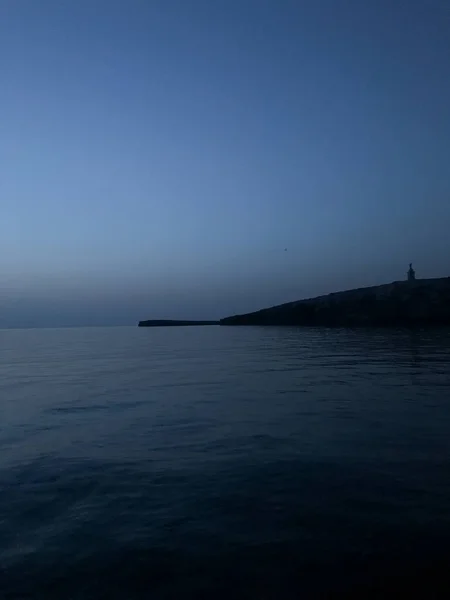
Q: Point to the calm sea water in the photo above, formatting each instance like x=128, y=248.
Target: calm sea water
x=223, y=463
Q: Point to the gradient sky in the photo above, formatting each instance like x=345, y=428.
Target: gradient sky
x=158, y=156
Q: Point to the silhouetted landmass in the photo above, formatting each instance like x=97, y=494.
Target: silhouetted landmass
x=417, y=302
x=170, y=323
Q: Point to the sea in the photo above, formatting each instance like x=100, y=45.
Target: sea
x=216, y=462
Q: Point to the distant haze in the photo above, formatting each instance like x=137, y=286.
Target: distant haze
x=158, y=157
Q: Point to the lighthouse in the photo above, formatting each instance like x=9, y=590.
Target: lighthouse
x=411, y=273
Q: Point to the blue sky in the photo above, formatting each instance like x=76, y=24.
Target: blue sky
x=158, y=156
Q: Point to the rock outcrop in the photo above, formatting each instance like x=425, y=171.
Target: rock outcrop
x=416, y=302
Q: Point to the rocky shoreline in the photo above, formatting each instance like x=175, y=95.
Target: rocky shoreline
x=174, y=323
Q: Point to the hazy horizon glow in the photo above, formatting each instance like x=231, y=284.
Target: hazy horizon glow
x=158, y=157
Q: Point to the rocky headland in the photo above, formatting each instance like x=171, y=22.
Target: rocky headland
x=401, y=303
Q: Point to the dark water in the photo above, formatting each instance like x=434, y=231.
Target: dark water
x=224, y=463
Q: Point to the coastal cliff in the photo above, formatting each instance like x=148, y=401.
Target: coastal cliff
x=418, y=302
x=171, y=323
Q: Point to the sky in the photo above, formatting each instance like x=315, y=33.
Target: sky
x=201, y=158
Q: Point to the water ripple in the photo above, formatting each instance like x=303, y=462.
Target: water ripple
x=218, y=462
